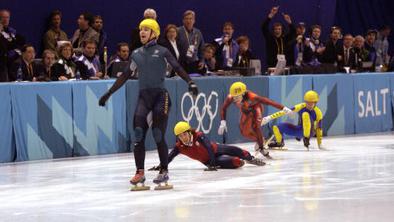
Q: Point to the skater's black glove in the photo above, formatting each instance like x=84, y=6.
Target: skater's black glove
x=104, y=98
x=306, y=142
x=155, y=168
x=193, y=88
x=211, y=168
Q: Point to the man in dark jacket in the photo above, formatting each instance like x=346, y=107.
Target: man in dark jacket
x=277, y=42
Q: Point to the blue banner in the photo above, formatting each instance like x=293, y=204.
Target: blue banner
x=98, y=130
x=391, y=76
x=7, y=144
x=202, y=112
x=42, y=120
x=336, y=103
x=372, y=103
x=289, y=91
x=61, y=119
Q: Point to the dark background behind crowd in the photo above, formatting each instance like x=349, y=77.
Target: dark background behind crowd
x=120, y=17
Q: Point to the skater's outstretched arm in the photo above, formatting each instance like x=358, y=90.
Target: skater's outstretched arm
x=319, y=126
x=207, y=145
x=181, y=72
x=281, y=113
x=267, y=101
x=119, y=82
x=227, y=102
x=174, y=152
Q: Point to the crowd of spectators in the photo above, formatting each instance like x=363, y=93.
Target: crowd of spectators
x=83, y=55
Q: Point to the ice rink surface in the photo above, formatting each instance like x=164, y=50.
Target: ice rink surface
x=352, y=181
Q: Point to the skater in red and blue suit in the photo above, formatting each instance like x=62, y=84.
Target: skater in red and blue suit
x=197, y=146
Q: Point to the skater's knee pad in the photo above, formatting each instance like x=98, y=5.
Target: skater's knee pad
x=138, y=134
x=157, y=135
x=306, y=124
x=277, y=133
x=246, y=155
x=237, y=162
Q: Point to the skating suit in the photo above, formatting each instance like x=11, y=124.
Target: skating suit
x=251, y=114
x=210, y=153
x=150, y=62
x=309, y=123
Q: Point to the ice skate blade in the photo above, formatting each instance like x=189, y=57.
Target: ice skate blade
x=139, y=188
x=166, y=186
x=278, y=148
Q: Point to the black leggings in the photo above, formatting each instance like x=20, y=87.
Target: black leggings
x=229, y=157
x=157, y=101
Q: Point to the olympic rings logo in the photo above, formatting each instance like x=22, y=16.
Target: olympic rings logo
x=206, y=109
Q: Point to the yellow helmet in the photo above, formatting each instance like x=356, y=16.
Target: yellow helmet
x=237, y=89
x=181, y=127
x=311, y=96
x=152, y=24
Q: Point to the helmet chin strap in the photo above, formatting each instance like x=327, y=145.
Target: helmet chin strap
x=190, y=143
x=150, y=36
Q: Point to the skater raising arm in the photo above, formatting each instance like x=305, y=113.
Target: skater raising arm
x=129, y=70
x=310, y=121
x=151, y=61
x=181, y=72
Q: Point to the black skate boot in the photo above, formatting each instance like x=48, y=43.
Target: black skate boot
x=276, y=144
x=264, y=152
x=256, y=161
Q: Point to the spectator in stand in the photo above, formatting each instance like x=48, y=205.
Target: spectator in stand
x=122, y=55
x=84, y=32
x=29, y=69
x=48, y=59
x=346, y=55
x=361, y=54
x=300, y=29
x=135, y=34
x=64, y=68
x=227, y=47
x=382, y=46
x=15, y=42
x=315, y=47
x=331, y=50
x=369, y=45
x=191, y=43
x=244, y=54
x=98, y=27
x=55, y=33
x=170, y=40
x=277, y=42
x=300, y=45
x=209, y=59
x=88, y=64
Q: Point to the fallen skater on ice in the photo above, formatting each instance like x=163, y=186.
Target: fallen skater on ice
x=197, y=146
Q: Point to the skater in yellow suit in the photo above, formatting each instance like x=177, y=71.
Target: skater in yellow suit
x=309, y=123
